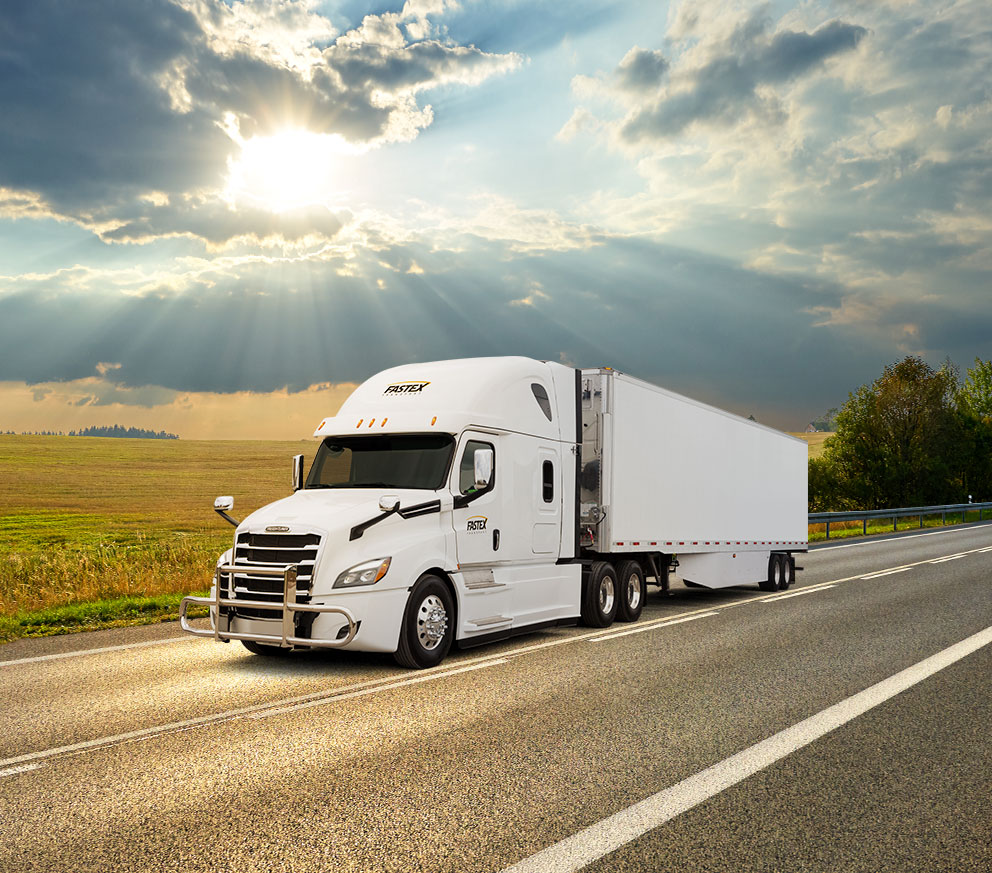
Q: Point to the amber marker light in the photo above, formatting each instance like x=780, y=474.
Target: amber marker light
x=433, y=421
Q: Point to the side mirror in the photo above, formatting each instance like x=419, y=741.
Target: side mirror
x=389, y=503
x=483, y=468
x=297, y=472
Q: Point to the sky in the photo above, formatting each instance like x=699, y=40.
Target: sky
x=217, y=217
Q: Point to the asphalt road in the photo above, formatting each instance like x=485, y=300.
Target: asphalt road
x=732, y=731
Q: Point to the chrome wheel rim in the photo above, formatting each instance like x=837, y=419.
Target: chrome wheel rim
x=432, y=622
x=634, y=591
x=606, y=595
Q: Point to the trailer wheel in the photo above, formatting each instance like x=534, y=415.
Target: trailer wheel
x=428, y=625
x=599, y=601
x=266, y=650
x=774, y=580
x=788, y=571
x=631, y=591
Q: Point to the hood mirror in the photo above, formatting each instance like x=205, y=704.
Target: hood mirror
x=389, y=503
x=223, y=505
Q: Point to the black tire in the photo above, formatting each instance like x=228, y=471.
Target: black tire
x=774, y=580
x=599, y=600
x=631, y=590
x=788, y=571
x=266, y=650
x=428, y=627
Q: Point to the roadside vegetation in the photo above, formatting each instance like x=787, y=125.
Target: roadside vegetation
x=916, y=436
x=100, y=532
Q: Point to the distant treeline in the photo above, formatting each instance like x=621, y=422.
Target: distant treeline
x=916, y=436
x=116, y=430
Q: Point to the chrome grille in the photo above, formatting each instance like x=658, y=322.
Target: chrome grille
x=272, y=550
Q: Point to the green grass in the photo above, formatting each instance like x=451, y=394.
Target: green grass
x=95, y=532
x=850, y=529
x=814, y=441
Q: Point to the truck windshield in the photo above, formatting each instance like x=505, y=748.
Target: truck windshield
x=382, y=461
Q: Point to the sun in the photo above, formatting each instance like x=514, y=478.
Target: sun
x=287, y=170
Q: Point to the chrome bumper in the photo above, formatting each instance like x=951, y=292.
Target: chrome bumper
x=289, y=606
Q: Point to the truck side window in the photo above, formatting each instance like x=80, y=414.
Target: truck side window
x=549, y=481
x=466, y=470
x=541, y=396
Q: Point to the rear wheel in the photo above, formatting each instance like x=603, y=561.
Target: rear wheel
x=428, y=625
x=599, y=602
x=788, y=571
x=774, y=580
x=630, y=601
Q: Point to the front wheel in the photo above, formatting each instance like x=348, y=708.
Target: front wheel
x=428, y=625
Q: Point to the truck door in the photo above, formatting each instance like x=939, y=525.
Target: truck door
x=477, y=516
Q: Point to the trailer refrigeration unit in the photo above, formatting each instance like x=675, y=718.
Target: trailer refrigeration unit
x=460, y=502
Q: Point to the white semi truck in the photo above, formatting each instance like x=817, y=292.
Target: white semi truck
x=461, y=502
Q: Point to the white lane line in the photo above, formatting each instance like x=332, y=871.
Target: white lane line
x=877, y=541
x=989, y=549
x=591, y=844
x=80, y=652
x=892, y=571
x=13, y=771
x=948, y=558
x=229, y=715
x=650, y=627
x=775, y=598
x=366, y=691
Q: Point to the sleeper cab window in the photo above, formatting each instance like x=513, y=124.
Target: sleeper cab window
x=541, y=396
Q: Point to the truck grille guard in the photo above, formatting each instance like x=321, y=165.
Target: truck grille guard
x=289, y=607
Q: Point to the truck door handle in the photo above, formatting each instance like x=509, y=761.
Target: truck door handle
x=495, y=539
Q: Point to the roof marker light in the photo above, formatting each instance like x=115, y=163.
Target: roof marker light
x=371, y=422
x=433, y=421
x=383, y=422
x=360, y=422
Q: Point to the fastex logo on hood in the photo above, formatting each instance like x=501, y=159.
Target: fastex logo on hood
x=410, y=386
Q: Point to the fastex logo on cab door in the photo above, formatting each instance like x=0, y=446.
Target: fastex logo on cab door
x=476, y=524
x=411, y=386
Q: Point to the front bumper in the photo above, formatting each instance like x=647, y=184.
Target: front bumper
x=289, y=606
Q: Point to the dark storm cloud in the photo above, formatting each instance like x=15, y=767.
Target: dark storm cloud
x=104, y=101
x=725, y=89
x=693, y=323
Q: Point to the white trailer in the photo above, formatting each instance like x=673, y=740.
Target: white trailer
x=460, y=502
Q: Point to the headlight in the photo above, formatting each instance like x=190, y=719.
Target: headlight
x=363, y=574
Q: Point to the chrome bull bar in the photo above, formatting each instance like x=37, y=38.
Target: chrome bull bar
x=289, y=607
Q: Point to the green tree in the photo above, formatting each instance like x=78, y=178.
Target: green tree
x=975, y=410
x=898, y=441
x=975, y=396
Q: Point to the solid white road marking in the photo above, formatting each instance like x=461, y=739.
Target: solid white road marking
x=366, y=691
x=229, y=715
x=948, y=558
x=80, y=652
x=648, y=627
x=13, y=771
x=776, y=597
x=875, y=542
x=890, y=572
x=591, y=844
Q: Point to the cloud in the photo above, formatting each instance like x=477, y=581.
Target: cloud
x=642, y=69
x=729, y=85
x=107, y=104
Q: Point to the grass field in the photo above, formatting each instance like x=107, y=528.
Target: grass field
x=127, y=525
x=815, y=442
